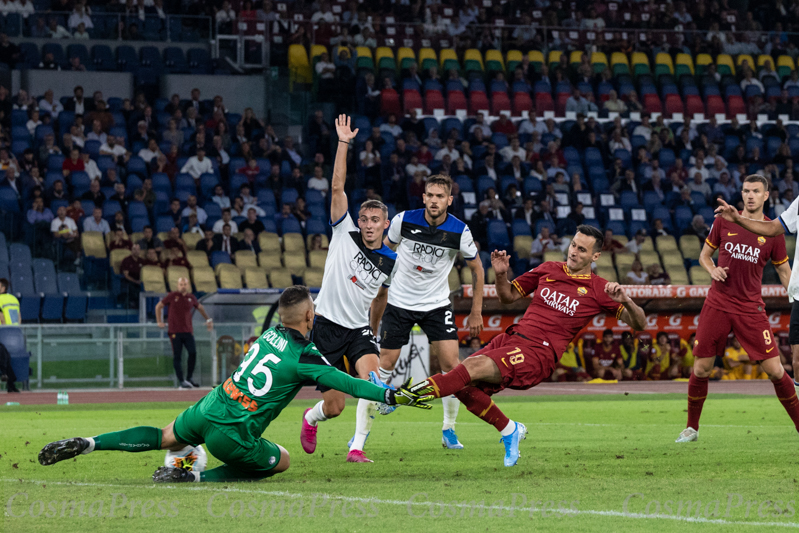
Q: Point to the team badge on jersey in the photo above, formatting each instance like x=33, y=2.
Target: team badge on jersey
x=582, y=291
x=761, y=240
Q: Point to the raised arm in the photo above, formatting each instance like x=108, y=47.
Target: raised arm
x=338, y=198
x=632, y=315
x=766, y=228
x=505, y=291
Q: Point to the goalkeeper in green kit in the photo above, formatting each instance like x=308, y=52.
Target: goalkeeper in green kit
x=231, y=418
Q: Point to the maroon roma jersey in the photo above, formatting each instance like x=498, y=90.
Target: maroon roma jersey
x=181, y=307
x=562, y=304
x=745, y=254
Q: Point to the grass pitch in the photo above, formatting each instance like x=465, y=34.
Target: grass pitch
x=594, y=463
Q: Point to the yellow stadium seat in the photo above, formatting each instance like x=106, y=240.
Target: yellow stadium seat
x=553, y=255
x=384, y=58
x=678, y=275
x=724, y=64
x=427, y=58
x=299, y=66
x=690, y=247
x=672, y=259
x=255, y=278
x=295, y=263
x=364, y=51
x=269, y=242
x=555, y=58
x=494, y=60
x=662, y=58
x=514, y=57
x=466, y=276
x=309, y=238
x=667, y=244
x=639, y=58
x=762, y=59
x=621, y=238
x=739, y=60
x=619, y=58
x=317, y=258
x=790, y=245
x=136, y=237
x=117, y=256
x=108, y=238
x=448, y=59
x=522, y=245
x=683, y=62
x=699, y=276
x=93, y=244
x=608, y=273
x=648, y=258
x=491, y=276
x=191, y=240
x=702, y=61
x=153, y=279
x=605, y=261
x=454, y=280
x=197, y=258
x=576, y=57
x=293, y=243
x=317, y=50
x=785, y=66
x=163, y=235
x=174, y=273
x=270, y=260
x=204, y=279
x=648, y=245
x=535, y=57
x=473, y=54
x=246, y=259
x=280, y=278
x=313, y=277
x=406, y=57
x=624, y=262
x=229, y=276
x=599, y=58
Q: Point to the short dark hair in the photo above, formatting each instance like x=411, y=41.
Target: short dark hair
x=440, y=180
x=591, y=231
x=608, y=331
x=293, y=295
x=374, y=204
x=757, y=178
x=4, y=284
x=660, y=334
x=147, y=227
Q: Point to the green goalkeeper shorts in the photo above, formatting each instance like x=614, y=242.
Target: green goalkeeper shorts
x=257, y=455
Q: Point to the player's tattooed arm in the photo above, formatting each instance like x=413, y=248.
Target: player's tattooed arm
x=706, y=260
x=475, y=320
x=338, y=199
x=500, y=262
x=766, y=228
x=632, y=314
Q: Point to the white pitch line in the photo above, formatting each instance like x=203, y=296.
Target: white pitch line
x=296, y=495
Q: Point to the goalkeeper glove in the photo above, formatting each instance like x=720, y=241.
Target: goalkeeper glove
x=404, y=396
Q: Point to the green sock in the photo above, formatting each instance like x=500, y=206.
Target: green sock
x=228, y=473
x=139, y=439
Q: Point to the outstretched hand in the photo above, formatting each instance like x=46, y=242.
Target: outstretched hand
x=726, y=211
x=343, y=129
x=500, y=262
x=615, y=292
x=406, y=396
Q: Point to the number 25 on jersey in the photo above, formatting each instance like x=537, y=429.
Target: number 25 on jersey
x=259, y=369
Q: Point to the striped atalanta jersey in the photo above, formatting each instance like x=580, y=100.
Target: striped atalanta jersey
x=424, y=259
x=353, y=275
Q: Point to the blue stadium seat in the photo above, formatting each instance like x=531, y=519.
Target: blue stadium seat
x=68, y=283
x=213, y=210
x=175, y=61
x=532, y=185
x=628, y=200
x=20, y=254
x=161, y=182
x=150, y=57
x=184, y=182
x=53, y=308
x=29, y=56
x=22, y=282
x=127, y=59
x=137, y=224
x=57, y=51
x=199, y=61
x=110, y=208
x=290, y=225
x=314, y=197
x=136, y=165
x=289, y=196
x=682, y=217
x=520, y=227
x=544, y=224
x=498, y=235
x=483, y=184
x=79, y=50
x=75, y=310
x=8, y=200
x=220, y=257
x=103, y=58
x=164, y=223
x=44, y=276
x=207, y=184
x=316, y=225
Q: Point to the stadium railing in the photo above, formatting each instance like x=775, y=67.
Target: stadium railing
x=124, y=355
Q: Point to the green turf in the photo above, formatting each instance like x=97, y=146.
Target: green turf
x=586, y=452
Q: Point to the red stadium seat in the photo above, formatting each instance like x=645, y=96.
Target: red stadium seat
x=652, y=103
x=433, y=100
x=543, y=102
x=560, y=105
x=735, y=106
x=478, y=101
x=499, y=102
x=411, y=100
x=694, y=105
x=455, y=100
x=390, y=102
x=522, y=103
x=674, y=105
x=715, y=106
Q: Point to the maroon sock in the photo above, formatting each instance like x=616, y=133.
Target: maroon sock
x=481, y=405
x=451, y=382
x=786, y=393
x=697, y=392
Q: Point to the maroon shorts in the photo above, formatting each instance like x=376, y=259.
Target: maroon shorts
x=752, y=331
x=522, y=363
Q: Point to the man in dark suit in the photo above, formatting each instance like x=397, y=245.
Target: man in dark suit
x=252, y=223
x=209, y=244
x=249, y=242
x=227, y=242
x=78, y=103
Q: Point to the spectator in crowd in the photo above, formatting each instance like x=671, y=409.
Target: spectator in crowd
x=94, y=194
x=174, y=241
x=73, y=163
x=698, y=227
x=657, y=276
x=226, y=220
x=38, y=213
x=637, y=275
x=542, y=244
x=613, y=104
x=96, y=222
x=50, y=105
x=150, y=240
x=607, y=359
x=131, y=271
x=249, y=243
x=65, y=233
x=252, y=223
x=637, y=243
x=120, y=241
x=197, y=165
x=192, y=207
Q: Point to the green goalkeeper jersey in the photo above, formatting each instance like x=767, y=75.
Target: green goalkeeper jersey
x=279, y=363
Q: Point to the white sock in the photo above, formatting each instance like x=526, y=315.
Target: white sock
x=364, y=417
x=316, y=414
x=90, y=449
x=196, y=476
x=510, y=428
x=451, y=405
x=385, y=375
